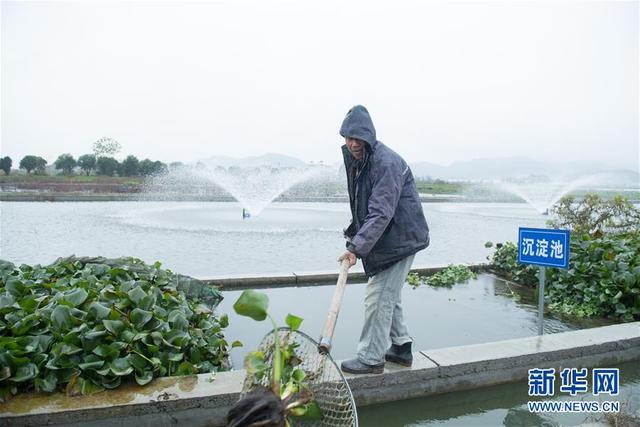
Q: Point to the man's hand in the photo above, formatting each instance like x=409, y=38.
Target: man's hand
x=350, y=256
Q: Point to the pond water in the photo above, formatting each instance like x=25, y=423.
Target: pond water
x=503, y=405
x=481, y=310
x=211, y=239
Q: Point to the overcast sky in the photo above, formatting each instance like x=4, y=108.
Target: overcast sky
x=444, y=81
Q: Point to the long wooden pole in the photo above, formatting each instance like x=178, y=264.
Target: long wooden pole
x=327, y=334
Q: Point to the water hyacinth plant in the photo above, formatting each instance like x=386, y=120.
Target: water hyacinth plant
x=504, y=262
x=83, y=326
x=287, y=380
x=603, y=278
x=446, y=277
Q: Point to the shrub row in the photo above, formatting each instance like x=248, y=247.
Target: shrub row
x=603, y=278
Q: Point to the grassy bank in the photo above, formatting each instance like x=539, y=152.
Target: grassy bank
x=443, y=187
x=51, y=185
x=74, y=179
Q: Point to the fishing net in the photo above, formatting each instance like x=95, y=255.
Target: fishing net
x=326, y=382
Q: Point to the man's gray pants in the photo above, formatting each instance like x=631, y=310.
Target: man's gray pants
x=383, y=320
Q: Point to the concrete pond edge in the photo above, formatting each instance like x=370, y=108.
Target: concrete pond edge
x=310, y=278
x=201, y=400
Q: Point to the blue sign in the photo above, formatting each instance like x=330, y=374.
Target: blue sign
x=574, y=381
x=541, y=381
x=606, y=381
x=539, y=246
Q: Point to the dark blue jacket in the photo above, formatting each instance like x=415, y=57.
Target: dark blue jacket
x=387, y=223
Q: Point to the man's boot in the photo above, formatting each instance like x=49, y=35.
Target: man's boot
x=354, y=366
x=400, y=354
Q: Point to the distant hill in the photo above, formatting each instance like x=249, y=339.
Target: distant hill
x=518, y=167
x=471, y=170
x=268, y=159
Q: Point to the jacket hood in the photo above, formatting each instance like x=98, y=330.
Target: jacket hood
x=358, y=124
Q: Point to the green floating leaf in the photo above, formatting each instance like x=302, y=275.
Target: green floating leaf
x=293, y=321
x=156, y=337
x=15, y=287
x=23, y=326
x=136, y=294
x=93, y=335
x=111, y=382
x=98, y=311
x=144, y=378
x=175, y=357
x=105, y=371
x=224, y=321
x=61, y=317
x=44, y=341
x=5, y=373
x=186, y=368
x=252, y=304
x=6, y=301
x=25, y=373
x=147, y=302
x=310, y=411
x=91, y=365
x=118, y=345
x=106, y=351
x=76, y=296
x=69, y=349
x=88, y=387
x=139, y=362
x=47, y=384
x=140, y=317
x=254, y=363
x=28, y=304
x=114, y=326
x=175, y=337
x=121, y=367
x=178, y=320
x=236, y=344
x=298, y=375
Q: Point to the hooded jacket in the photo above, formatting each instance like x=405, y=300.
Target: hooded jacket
x=387, y=223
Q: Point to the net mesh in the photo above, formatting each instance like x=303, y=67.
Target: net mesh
x=330, y=388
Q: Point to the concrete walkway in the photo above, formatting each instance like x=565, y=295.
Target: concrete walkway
x=317, y=278
x=199, y=400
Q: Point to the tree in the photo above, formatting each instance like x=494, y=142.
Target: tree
x=129, y=166
x=106, y=146
x=160, y=168
x=87, y=163
x=595, y=216
x=33, y=163
x=5, y=164
x=66, y=163
x=145, y=168
x=148, y=167
x=107, y=165
x=41, y=164
x=28, y=163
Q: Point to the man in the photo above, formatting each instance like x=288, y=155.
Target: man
x=387, y=228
